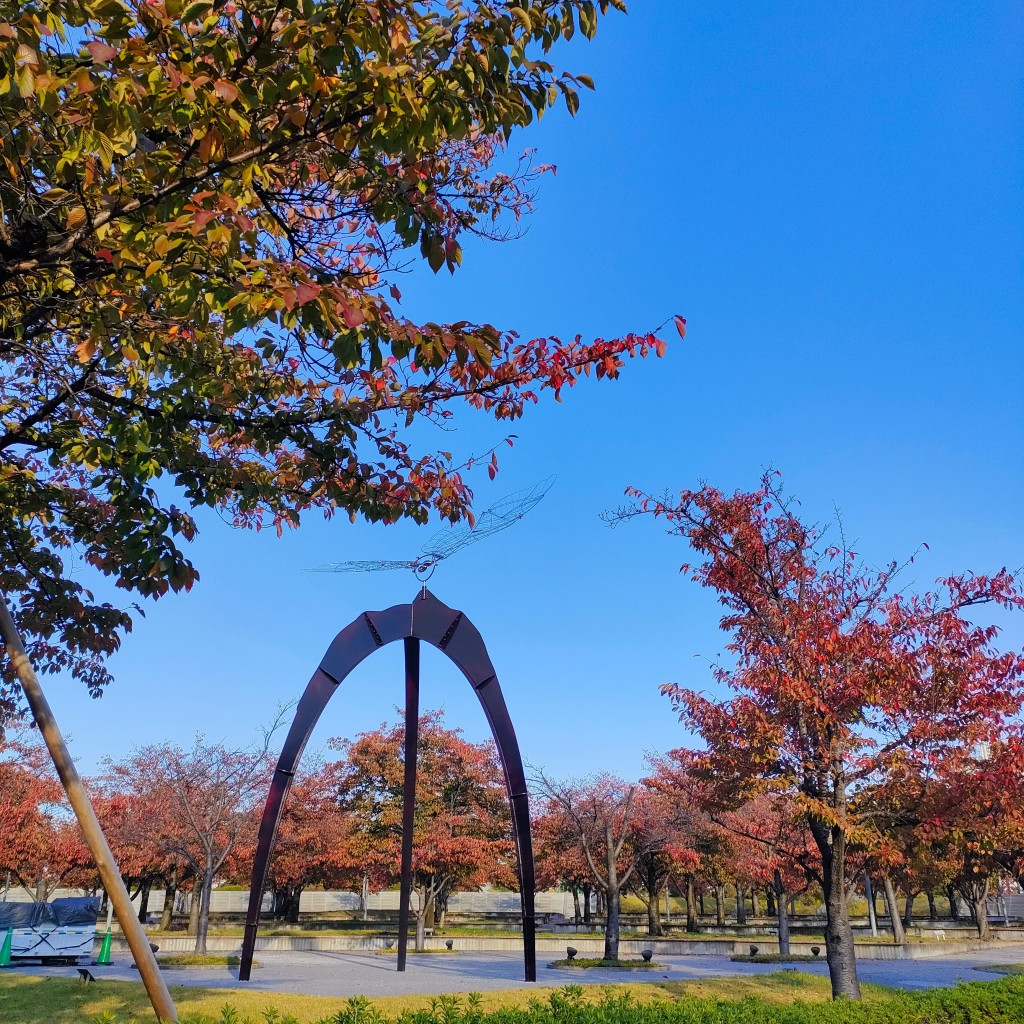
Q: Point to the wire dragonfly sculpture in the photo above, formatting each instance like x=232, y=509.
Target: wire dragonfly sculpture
x=447, y=542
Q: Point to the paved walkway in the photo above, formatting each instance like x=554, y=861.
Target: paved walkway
x=347, y=974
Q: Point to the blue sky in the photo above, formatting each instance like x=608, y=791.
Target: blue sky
x=832, y=196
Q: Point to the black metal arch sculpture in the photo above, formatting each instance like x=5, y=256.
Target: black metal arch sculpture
x=426, y=618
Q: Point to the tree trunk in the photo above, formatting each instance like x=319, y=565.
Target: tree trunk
x=653, y=916
x=292, y=904
x=588, y=918
x=741, y=905
x=770, y=900
x=720, y=905
x=611, y=928
x=42, y=889
x=205, y=895
x=954, y=903
x=195, y=905
x=421, y=931
x=691, y=906
x=978, y=901
x=577, y=918
x=783, y=916
x=869, y=895
x=653, y=892
x=167, y=915
x=839, y=948
x=144, y=890
x=425, y=915
x=933, y=913
x=908, y=912
x=981, y=917
x=668, y=904
x=755, y=910
x=899, y=936
x=700, y=903
x=364, y=897
x=280, y=902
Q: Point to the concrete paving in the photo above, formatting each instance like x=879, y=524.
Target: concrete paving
x=347, y=974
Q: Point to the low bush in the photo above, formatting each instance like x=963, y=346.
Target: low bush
x=586, y=963
x=996, y=1002
x=789, y=997
x=777, y=958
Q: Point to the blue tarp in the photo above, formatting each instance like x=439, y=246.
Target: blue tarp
x=69, y=911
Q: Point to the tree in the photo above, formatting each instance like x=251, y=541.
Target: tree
x=39, y=844
x=837, y=678
x=662, y=850
x=461, y=827
x=203, y=804
x=313, y=845
x=202, y=206
x=128, y=815
x=970, y=811
x=602, y=812
x=760, y=842
x=560, y=861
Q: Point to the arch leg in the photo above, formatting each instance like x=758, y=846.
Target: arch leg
x=412, y=731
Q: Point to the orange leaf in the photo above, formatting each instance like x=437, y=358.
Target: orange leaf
x=86, y=350
x=226, y=91
x=680, y=326
x=101, y=52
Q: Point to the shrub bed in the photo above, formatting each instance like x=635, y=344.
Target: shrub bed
x=587, y=963
x=777, y=958
x=998, y=1002
x=990, y=1002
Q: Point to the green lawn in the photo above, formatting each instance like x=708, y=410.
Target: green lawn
x=1015, y=969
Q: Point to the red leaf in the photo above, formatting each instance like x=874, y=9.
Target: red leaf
x=680, y=326
x=101, y=52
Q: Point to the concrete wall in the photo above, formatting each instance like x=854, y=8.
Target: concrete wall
x=555, y=947
x=334, y=901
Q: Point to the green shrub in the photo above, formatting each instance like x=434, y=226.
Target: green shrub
x=992, y=1002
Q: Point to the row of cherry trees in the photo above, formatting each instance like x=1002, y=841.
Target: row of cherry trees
x=182, y=819
x=179, y=820
x=871, y=733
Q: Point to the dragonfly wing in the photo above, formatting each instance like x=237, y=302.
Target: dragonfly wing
x=384, y=565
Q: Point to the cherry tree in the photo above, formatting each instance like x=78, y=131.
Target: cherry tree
x=560, y=862
x=604, y=814
x=313, y=845
x=40, y=844
x=203, y=804
x=837, y=676
x=461, y=829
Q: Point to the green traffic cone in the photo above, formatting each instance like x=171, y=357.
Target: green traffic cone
x=5, y=949
x=103, y=960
